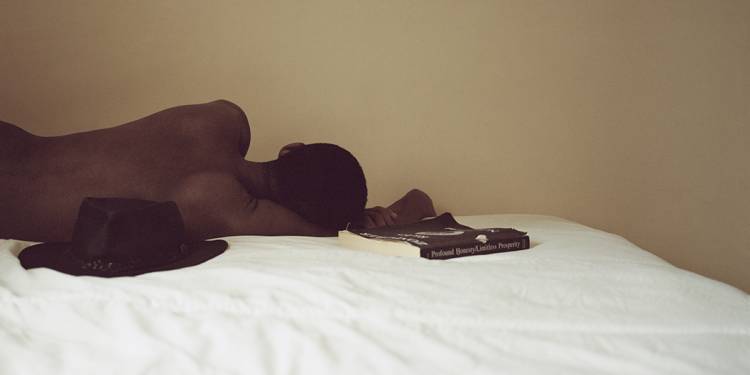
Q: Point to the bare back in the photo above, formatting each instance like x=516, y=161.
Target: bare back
x=159, y=157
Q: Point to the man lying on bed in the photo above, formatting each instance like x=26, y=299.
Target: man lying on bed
x=193, y=155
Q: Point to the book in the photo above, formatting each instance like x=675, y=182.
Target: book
x=437, y=238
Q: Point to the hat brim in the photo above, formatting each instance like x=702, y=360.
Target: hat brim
x=57, y=256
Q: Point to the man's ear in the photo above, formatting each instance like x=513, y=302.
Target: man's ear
x=288, y=148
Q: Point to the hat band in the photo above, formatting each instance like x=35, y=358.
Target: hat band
x=111, y=265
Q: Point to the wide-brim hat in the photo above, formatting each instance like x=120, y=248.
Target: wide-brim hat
x=123, y=237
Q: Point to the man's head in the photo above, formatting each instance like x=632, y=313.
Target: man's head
x=321, y=182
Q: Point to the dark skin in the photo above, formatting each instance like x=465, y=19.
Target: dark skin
x=192, y=154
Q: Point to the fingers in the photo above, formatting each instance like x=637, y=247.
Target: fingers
x=392, y=216
x=368, y=223
x=288, y=148
x=376, y=217
x=379, y=216
x=420, y=202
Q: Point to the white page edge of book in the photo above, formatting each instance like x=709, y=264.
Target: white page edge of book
x=385, y=247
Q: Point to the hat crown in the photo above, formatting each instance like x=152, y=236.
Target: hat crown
x=124, y=230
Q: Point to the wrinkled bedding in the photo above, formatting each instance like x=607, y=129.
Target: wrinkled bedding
x=580, y=301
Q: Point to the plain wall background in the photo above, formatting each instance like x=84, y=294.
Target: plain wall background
x=628, y=116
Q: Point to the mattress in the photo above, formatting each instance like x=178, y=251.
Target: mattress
x=580, y=301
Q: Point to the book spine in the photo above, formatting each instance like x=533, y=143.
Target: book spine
x=491, y=247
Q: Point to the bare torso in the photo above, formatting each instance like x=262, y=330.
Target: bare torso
x=186, y=154
x=192, y=154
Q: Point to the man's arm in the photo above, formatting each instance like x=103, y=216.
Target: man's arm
x=217, y=205
x=268, y=218
x=412, y=207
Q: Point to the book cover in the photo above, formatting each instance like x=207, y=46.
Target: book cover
x=438, y=238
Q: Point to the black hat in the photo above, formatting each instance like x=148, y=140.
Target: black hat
x=123, y=237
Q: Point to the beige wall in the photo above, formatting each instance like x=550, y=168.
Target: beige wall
x=628, y=116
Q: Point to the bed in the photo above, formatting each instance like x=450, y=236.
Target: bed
x=580, y=301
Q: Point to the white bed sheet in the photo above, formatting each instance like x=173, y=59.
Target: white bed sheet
x=581, y=301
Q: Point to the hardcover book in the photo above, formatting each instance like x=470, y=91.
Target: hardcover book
x=438, y=238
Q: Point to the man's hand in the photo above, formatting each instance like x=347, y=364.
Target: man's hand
x=412, y=207
x=288, y=148
x=378, y=216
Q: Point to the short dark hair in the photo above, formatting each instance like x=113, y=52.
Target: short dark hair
x=321, y=182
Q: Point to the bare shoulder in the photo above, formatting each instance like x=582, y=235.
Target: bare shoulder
x=220, y=111
x=221, y=117
x=14, y=141
x=217, y=121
